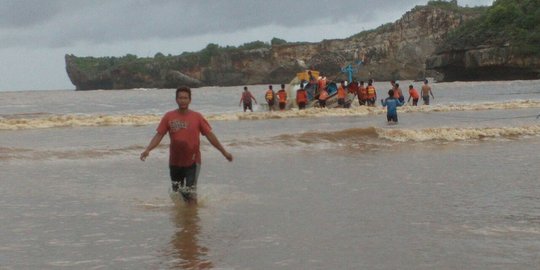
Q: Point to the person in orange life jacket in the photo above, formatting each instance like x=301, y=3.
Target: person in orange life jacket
x=323, y=95
x=414, y=95
x=353, y=87
x=184, y=127
x=270, y=97
x=282, y=97
x=301, y=98
x=341, y=94
x=246, y=99
x=398, y=93
x=392, y=103
x=362, y=94
x=371, y=94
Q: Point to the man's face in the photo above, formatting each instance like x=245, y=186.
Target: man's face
x=182, y=99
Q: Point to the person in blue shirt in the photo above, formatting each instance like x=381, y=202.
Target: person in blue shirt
x=391, y=103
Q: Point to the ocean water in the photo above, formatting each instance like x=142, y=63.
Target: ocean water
x=455, y=185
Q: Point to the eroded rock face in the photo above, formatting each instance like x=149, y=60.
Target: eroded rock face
x=393, y=51
x=487, y=62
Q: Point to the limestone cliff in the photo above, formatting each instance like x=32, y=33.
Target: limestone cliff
x=488, y=62
x=502, y=44
x=397, y=50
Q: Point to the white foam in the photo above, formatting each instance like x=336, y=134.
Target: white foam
x=73, y=120
x=456, y=134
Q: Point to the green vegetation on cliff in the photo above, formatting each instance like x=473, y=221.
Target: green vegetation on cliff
x=514, y=23
x=100, y=64
x=133, y=63
x=453, y=6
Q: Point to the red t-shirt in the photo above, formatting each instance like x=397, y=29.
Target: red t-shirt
x=414, y=94
x=184, y=130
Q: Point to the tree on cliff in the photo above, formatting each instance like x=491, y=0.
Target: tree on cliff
x=512, y=22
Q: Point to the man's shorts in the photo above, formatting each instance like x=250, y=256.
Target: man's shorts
x=184, y=179
x=248, y=106
x=301, y=105
x=426, y=100
x=271, y=103
x=392, y=117
x=282, y=105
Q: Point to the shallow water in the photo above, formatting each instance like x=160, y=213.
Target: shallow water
x=453, y=186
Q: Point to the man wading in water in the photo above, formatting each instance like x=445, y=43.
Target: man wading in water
x=184, y=127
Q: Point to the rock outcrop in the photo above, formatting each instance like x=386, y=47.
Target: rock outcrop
x=501, y=44
x=393, y=51
x=488, y=62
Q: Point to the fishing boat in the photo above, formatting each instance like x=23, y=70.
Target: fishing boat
x=305, y=79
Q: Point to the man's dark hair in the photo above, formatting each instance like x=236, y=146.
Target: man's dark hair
x=183, y=89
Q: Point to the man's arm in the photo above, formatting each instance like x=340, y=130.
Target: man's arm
x=153, y=144
x=215, y=142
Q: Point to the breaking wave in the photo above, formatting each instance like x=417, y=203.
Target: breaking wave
x=457, y=134
x=382, y=136
x=348, y=138
x=52, y=121
x=44, y=120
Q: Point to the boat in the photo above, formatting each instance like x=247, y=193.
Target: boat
x=301, y=80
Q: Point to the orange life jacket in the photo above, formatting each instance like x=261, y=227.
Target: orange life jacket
x=322, y=83
x=269, y=95
x=371, y=93
x=341, y=93
x=301, y=96
x=323, y=95
x=282, y=95
x=353, y=88
x=362, y=93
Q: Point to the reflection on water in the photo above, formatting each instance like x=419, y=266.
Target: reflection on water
x=184, y=246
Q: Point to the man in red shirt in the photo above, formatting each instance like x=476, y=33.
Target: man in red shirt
x=184, y=127
x=414, y=95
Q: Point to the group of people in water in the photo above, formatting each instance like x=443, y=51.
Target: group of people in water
x=320, y=89
x=185, y=126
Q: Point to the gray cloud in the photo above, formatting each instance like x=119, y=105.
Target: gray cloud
x=25, y=13
x=62, y=23
x=35, y=34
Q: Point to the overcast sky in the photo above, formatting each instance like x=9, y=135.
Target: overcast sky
x=36, y=34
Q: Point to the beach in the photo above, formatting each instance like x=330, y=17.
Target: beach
x=453, y=186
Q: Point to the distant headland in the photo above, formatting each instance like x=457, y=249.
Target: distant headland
x=441, y=40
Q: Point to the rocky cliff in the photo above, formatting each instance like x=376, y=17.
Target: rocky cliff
x=393, y=51
x=488, y=62
x=501, y=44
